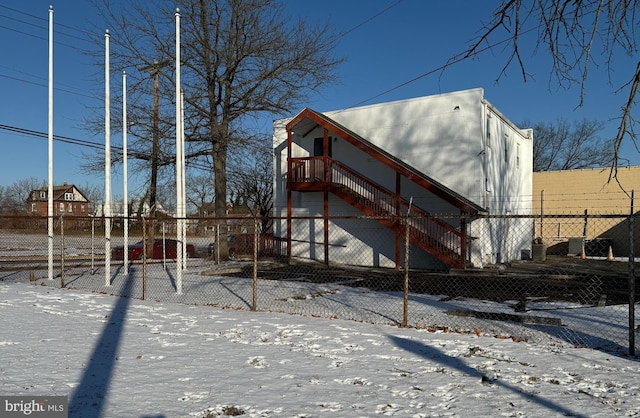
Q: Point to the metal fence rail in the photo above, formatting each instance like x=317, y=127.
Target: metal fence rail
x=575, y=287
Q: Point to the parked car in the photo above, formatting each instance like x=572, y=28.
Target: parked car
x=231, y=245
x=241, y=245
x=136, y=250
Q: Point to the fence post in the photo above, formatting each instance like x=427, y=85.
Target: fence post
x=125, y=238
x=632, y=282
x=93, y=251
x=541, y=217
x=585, y=229
x=217, y=246
x=405, y=310
x=164, y=248
x=144, y=258
x=61, y=251
x=254, y=304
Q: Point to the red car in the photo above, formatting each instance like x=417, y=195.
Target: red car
x=136, y=250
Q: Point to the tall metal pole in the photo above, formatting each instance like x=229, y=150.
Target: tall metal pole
x=50, y=176
x=179, y=168
x=124, y=169
x=184, y=188
x=107, y=166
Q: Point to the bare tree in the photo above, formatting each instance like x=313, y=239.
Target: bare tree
x=16, y=195
x=95, y=195
x=240, y=59
x=199, y=192
x=3, y=199
x=576, y=34
x=563, y=146
x=252, y=181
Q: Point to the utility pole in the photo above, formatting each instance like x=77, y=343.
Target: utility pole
x=154, y=70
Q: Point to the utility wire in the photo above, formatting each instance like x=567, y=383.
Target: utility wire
x=45, y=21
x=345, y=33
x=22, y=80
x=118, y=150
x=59, y=138
x=451, y=61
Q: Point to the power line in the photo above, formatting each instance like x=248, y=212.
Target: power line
x=39, y=37
x=88, y=144
x=44, y=85
x=451, y=61
x=45, y=21
x=59, y=138
x=345, y=33
x=36, y=36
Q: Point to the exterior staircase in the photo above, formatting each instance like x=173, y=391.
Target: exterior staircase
x=432, y=235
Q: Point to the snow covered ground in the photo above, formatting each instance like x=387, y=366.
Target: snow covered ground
x=122, y=357
x=205, y=283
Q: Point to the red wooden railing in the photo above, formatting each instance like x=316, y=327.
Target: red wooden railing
x=431, y=234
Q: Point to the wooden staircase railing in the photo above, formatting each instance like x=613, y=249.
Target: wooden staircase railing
x=434, y=236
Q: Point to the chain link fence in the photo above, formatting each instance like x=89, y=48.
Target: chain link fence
x=565, y=278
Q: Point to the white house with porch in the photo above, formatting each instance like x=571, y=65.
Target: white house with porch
x=442, y=159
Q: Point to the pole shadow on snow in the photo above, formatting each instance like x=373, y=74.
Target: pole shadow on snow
x=89, y=398
x=88, y=275
x=569, y=332
x=438, y=356
x=234, y=293
x=376, y=312
x=172, y=279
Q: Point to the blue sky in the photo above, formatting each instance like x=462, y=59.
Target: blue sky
x=388, y=43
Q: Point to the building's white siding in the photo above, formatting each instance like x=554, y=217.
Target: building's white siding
x=438, y=135
x=457, y=139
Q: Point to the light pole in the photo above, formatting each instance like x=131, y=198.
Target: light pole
x=50, y=185
x=107, y=166
x=125, y=251
x=180, y=210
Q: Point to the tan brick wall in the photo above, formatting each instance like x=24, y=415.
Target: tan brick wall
x=572, y=192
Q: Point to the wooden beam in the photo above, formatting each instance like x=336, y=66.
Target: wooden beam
x=289, y=191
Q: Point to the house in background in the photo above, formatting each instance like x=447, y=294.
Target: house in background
x=68, y=200
x=443, y=158
x=588, y=191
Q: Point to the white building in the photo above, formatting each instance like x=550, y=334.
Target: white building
x=449, y=157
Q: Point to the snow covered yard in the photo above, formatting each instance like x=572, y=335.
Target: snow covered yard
x=121, y=357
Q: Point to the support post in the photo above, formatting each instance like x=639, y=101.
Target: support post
x=632, y=281
x=398, y=199
x=289, y=196
x=62, y=250
x=325, y=187
x=144, y=258
x=405, y=310
x=541, y=214
x=93, y=240
x=463, y=240
x=405, y=306
x=256, y=243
